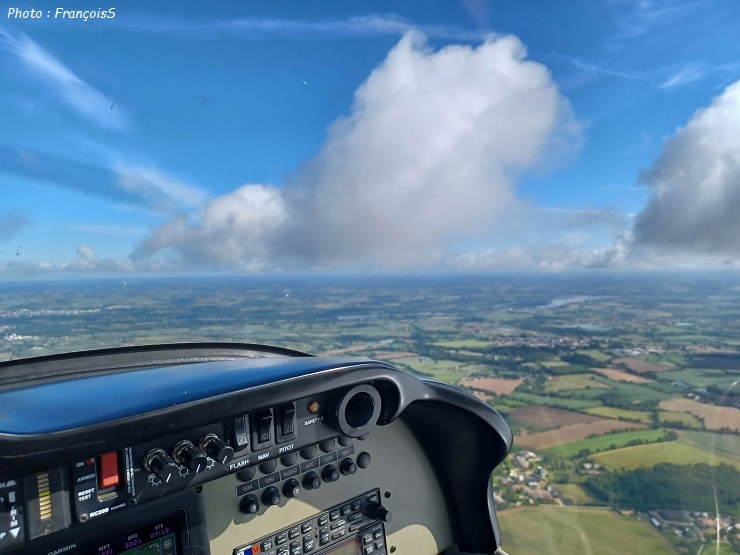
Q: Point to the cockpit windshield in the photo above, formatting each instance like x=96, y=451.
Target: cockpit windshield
x=533, y=201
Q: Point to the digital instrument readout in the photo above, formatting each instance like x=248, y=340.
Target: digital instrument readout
x=159, y=538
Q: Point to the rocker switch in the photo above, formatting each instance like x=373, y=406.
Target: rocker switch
x=263, y=421
x=287, y=420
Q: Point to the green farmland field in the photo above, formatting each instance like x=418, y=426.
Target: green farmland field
x=573, y=381
x=686, y=418
x=727, y=445
x=533, y=399
x=677, y=452
x=621, y=391
x=603, y=442
x=577, y=531
x=575, y=493
x=448, y=371
x=702, y=377
x=464, y=344
x=613, y=412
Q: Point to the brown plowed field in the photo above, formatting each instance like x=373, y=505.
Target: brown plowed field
x=574, y=432
x=548, y=417
x=499, y=386
x=715, y=418
x=620, y=375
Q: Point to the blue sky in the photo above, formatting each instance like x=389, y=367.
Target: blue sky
x=359, y=135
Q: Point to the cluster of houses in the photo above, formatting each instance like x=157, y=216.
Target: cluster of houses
x=695, y=525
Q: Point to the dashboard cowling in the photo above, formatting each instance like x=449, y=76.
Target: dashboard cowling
x=133, y=401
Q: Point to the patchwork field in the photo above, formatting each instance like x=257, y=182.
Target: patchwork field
x=499, y=386
x=574, y=492
x=548, y=417
x=464, y=344
x=448, y=371
x=638, y=365
x=686, y=418
x=715, y=418
x=611, y=412
x=574, y=432
x=723, y=444
x=676, y=452
x=620, y=375
x=577, y=531
x=604, y=442
x=532, y=399
x=596, y=355
x=703, y=377
x=390, y=355
x=573, y=381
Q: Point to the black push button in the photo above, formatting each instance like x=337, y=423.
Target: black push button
x=246, y=474
x=280, y=539
x=363, y=460
x=323, y=519
x=268, y=467
x=323, y=536
x=327, y=445
x=293, y=533
x=289, y=459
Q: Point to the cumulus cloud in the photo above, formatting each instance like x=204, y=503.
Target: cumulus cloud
x=88, y=261
x=427, y=155
x=236, y=228
x=548, y=256
x=695, y=184
x=76, y=93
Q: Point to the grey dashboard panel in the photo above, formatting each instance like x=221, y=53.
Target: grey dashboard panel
x=81, y=406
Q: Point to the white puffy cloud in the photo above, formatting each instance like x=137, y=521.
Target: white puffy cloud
x=548, y=256
x=88, y=261
x=427, y=155
x=235, y=229
x=695, y=184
